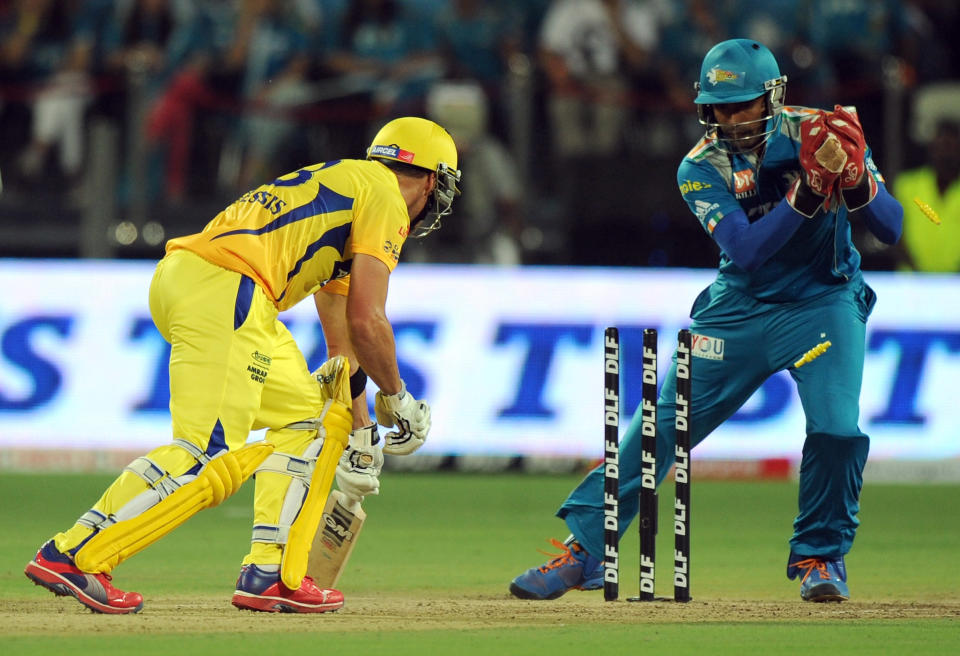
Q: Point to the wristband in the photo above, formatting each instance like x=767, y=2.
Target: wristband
x=859, y=196
x=803, y=199
x=358, y=383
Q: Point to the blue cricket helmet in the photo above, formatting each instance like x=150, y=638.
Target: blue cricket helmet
x=734, y=71
x=737, y=70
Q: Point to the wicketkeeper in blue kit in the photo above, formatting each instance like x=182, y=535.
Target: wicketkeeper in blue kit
x=776, y=188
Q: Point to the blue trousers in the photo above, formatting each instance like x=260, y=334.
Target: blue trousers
x=759, y=340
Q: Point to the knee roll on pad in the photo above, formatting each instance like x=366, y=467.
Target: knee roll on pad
x=141, y=524
x=159, y=481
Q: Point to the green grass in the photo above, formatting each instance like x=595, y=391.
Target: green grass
x=465, y=536
x=675, y=639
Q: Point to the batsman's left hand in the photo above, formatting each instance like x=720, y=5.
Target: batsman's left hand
x=358, y=472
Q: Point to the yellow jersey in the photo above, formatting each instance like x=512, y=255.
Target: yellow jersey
x=298, y=233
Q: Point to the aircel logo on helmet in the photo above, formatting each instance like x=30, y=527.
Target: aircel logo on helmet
x=393, y=151
x=716, y=75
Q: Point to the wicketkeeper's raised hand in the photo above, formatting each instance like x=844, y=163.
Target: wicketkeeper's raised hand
x=822, y=160
x=856, y=185
x=410, y=416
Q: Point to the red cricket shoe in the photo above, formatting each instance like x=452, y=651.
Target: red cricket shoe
x=261, y=590
x=57, y=573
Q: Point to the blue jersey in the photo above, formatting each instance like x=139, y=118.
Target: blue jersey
x=819, y=255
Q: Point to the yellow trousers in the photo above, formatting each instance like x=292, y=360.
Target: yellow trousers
x=234, y=367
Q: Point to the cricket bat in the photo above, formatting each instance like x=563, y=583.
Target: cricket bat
x=341, y=523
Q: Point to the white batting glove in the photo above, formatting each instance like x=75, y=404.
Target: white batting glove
x=358, y=472
x=411, y=417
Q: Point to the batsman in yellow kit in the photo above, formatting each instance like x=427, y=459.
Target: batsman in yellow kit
x=333, y=230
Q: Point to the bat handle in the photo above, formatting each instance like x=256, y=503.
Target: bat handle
x=351, y=503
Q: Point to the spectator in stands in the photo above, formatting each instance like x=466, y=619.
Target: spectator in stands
x=171, y=120
x=387, y=51
x=489, y=220
x=476, y=41
x=226, y=50
x=147, y=43
x=139, y=38
x=688, y=29
x=582, y=46
x=50, y=50
x=851, y=44
x=928, y=247
x=173, y=116
x=272, y=50
x=589, y=51
x=774, y=23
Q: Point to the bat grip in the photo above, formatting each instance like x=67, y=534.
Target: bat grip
x=351, y=503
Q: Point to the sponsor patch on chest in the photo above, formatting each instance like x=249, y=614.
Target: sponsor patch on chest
x=708, y=348
x=744, y=184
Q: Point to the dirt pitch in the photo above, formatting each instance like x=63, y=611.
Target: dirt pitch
x=163, y=615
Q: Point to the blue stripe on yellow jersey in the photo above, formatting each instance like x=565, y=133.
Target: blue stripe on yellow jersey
x=297, y=233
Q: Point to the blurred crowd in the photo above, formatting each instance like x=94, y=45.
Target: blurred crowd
x=126, y=122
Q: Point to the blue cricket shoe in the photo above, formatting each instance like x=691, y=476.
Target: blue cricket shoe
x=574, y=569
x=822, y=579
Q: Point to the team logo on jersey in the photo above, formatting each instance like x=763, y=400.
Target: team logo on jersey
x=704, y=208
x=708, y=348
x=392, y=249
x=716, y=75
x=744, y=183
x=260, y=367
x=393, y=151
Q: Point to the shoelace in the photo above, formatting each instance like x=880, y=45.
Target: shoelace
x=559, y=560
x=811, y=564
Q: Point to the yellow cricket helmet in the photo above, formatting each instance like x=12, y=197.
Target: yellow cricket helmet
x=424, y=144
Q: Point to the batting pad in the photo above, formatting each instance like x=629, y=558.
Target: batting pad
x=334, y=379
x=220, y=478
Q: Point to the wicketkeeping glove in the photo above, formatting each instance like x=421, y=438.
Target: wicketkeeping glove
x=358, y=472
x=857, y=186
x=822, y=159
x=410, y=416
